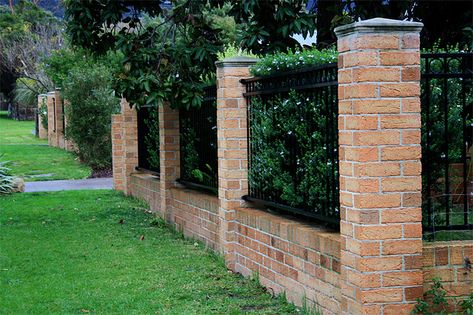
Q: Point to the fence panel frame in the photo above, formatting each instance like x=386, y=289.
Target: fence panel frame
x=311, y=79
x=207, y=155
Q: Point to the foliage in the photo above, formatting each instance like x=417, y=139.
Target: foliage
x=92, y=102
x=286, y=129
x=27, y=35
x=87, y=81
x=6, y=178
x=61, y=62
x=281, y=62
x=438, y=124
x=26, y=92
x=192, y=169
x=43, y=113
x=467, y=305
x=267, y=26
x=168, y=52
x=234, y=51
x=152, y=138
x=189, y=152
x=435, y=302
x=198, y=140
x=447, y=21
x=168, y=58
x=32, y=159
x=103, y=263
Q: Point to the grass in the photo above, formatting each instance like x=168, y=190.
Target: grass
x=67, y=253
x=31, y=158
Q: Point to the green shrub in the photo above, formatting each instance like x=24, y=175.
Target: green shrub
x=435, y=302
x=59, y=65
x=26, y=92
x=278, y=124
x=43, y=113
x=6, y=179
x=92, y=102
x=152, y=138
x=281, y=62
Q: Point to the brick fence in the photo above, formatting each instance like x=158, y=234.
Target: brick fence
x=377, y=263
x=57, y=121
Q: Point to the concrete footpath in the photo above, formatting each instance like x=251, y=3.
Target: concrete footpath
x=57, y=185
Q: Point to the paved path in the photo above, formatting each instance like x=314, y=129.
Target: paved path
x=56, y=185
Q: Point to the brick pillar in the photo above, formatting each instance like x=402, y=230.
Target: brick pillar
x=42, y=132
x=52, y=120
x=232, y=147
x=169, y=157
x=68, y=143
x=124, y=147
x=59, y=119
x=380, y=166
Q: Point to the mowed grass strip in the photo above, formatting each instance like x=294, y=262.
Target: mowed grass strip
x=31, y=158
x=68, y=253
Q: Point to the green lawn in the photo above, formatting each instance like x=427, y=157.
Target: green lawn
x=67, y=253
x=31, y=158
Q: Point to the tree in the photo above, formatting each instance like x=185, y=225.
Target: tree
x=26, y=36
x=267, y=26
x=169, y=52
x=445, y=23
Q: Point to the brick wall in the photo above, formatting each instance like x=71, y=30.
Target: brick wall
x=195, y=214
x=290, y=256
x=146, y=187
x=376, y=263
x=451, y=262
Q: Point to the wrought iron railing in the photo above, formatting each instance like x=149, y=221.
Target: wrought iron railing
x=447, y=138
x=148, y=139
x=293, y=142
x=198, y=143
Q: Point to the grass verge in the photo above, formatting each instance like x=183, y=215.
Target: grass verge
x=67, y=253
x=31, y=158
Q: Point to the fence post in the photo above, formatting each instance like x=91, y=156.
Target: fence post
x=380, y=166
x=51, y=104
x=124, y=147
x=232, y=146
x=60, y=132
x=169, y=154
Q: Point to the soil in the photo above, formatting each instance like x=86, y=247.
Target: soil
x=101, y=173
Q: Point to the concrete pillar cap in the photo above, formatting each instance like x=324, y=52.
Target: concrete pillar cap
x=238, y=61
x=378, y=25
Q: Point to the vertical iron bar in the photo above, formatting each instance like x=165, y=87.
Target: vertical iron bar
x=463, y=67
x=427, y=154
x=445, y=144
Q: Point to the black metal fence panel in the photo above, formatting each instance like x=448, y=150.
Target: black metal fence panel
x=293, y=142
x=198, y=143
x=447, y=138
x=17, y=112
x=148, y=139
